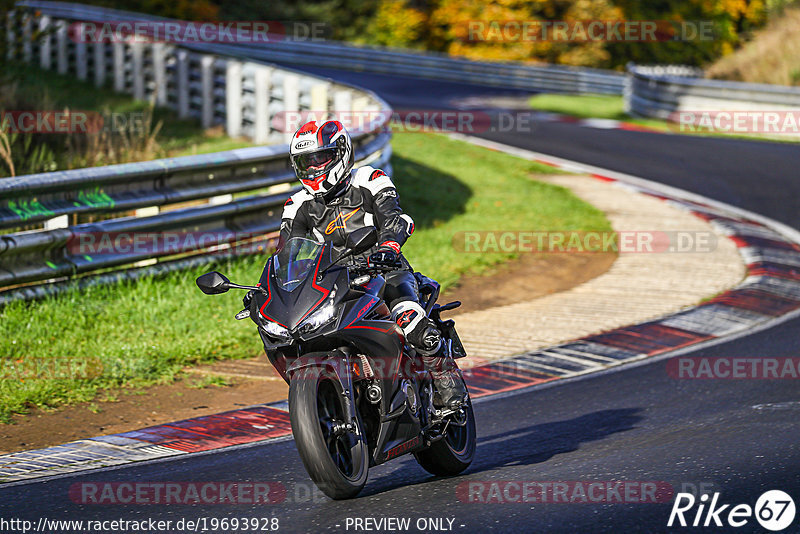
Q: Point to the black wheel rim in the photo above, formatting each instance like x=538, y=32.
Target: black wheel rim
x=457, y=434
x=340, y=444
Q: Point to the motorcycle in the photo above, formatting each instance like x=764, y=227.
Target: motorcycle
x=359, y=395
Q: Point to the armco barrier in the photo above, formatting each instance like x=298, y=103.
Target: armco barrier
x=377, y=59
x=660, y=91
x=116, y=188
x=251, y=98
x=51, y=254
x=215, y=85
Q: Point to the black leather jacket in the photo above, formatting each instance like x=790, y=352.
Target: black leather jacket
x=371, y=199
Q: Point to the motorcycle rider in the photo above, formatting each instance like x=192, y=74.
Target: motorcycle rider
x=335, y=200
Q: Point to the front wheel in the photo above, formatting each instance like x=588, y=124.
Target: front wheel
x=336, y=458
x=454, y=452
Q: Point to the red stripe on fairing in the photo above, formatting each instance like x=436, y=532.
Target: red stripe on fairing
x=269, y=298
x=369, y=328
x=365, y=309
x=325, y=292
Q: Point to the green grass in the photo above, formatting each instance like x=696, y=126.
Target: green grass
x=135, y=334
x=593, y=106
x=449, y=186
x=583, y=106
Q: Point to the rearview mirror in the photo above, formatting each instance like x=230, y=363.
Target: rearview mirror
x=362, y=239
x=213, y=283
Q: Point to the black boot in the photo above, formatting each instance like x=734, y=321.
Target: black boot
x=449, y=390
x=423, y=334
x=425, y=337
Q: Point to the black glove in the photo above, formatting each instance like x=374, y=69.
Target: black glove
x=384, y=257
x=248, y=297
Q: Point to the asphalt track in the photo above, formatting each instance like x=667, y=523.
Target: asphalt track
x=738, y=437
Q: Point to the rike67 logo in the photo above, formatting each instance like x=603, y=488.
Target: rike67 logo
x=774, y=510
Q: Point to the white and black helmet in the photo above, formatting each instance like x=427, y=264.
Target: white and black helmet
x=322, y=157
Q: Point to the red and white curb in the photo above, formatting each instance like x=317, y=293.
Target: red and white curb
x=770, y=292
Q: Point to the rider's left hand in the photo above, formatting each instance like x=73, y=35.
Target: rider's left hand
x=384, y=257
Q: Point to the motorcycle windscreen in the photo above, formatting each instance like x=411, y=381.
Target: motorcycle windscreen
x=294, y=261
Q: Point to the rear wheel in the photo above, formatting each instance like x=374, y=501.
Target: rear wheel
x=335, y=457
x=455, y=451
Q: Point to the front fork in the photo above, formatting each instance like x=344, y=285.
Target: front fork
x=338, y=362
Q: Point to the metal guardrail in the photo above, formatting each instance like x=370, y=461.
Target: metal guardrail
x=117, y=188
x=64, y=252
x=216, y=85
x=661, y=91
x=246, y=95
x=375, y=59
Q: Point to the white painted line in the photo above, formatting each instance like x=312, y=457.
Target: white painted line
x=575, y=359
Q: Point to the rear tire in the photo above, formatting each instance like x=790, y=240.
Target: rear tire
x=338, y=463
x=453, y=453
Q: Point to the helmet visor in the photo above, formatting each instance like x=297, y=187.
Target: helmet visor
x=311, y=163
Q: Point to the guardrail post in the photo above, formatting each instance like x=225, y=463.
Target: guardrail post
x=45, y=45
x=360, y=103
x=27, y=38
x=137, y=52
x=118, y=48
x=159, y=51
x=319, y=99
x=291, y=102
x=62, y=221
x=150, y=211
x=99, y=63
x=233, y=98
x=261, y=122
x=342, y=101
x=220, y=199
x=81, y=61
x=207, y=90
x=627, y=92
x=182, y=81
x=61, y=46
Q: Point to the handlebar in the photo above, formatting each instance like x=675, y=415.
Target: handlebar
x=362, y=266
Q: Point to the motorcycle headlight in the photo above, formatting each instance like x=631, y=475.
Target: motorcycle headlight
x=320, y=317
x=275, y=330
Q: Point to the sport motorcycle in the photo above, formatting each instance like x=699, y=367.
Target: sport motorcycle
x=359, y=394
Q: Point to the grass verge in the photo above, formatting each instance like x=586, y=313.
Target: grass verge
x=69, y=348
x=592, y=106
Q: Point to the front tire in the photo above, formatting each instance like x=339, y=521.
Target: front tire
x=452, y=454
x=337, y=462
